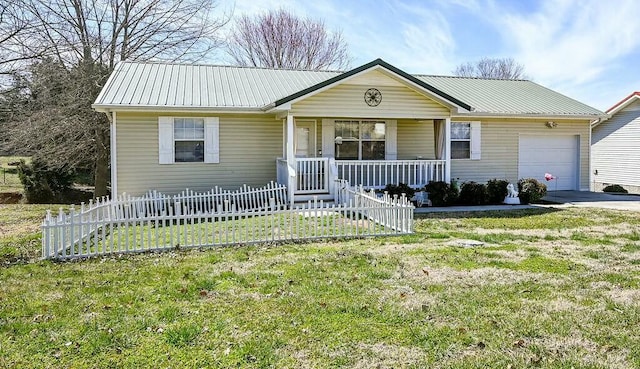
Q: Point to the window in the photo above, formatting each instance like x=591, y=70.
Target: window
x=188, y=136
x=360, y=140
x=188, y=140
x=460, y=140
x=465, y=140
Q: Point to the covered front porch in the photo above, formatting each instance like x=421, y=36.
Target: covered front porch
x=365, y=152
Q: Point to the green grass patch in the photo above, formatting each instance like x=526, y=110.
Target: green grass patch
x=632, y=236
x=630, y=247
x=622, y=280
x=541, y=264
x=9, y=181
x=545, y=218
x=475, y=258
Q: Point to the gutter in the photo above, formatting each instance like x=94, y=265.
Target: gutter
x=529, y=115
x=179, y=109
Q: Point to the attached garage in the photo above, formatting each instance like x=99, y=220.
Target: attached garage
x=558, y=155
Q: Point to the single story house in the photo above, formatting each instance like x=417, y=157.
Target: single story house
x=615, y=146
x=177, y=126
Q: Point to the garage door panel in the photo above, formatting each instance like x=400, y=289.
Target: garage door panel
x=557, y=155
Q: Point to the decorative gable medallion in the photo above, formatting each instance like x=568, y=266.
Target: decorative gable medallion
x=373, y=97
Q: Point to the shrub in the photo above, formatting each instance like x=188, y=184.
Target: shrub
x=41, y=184
x=531, y=190
x=497, y=190
x=399, y=189
x=442, y=193
x=615, y=188
x=473, y=193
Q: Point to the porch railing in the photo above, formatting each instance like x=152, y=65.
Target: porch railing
x=316, y=175
x=312, y=175
x=377, y=174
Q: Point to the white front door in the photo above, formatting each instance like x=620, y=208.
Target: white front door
x=305, y=139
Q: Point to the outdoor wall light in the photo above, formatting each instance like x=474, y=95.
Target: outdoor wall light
x=551, y=124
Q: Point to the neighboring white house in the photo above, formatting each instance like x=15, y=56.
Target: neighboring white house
x=615, y=145
x=197, y=126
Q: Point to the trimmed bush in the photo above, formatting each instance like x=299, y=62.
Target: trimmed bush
x=43, y=185
x=442, y=193
x=497, y=190
x=473, y=193
x=615, y=189
x=531, y=190
x=399, y=189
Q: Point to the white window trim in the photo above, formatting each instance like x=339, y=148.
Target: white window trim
x=475, y=140
x=166, y=140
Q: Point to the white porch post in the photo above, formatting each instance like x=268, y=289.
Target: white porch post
x=114, y=157
x=447, y=150
x=291, y=160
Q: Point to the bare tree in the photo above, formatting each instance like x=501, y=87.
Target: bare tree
x=14, y=24
x=279, y=39
x=87, y=38
x=501, y=68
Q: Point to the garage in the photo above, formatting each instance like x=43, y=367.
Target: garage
x=558, y=155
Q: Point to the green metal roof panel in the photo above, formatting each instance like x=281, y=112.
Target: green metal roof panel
x=149, y=85
x=202, y=86
x=501, y=96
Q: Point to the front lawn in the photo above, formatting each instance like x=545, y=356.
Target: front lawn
x=547, y=288
x=9, y=181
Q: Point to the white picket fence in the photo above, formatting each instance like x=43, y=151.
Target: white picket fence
x=191, y=220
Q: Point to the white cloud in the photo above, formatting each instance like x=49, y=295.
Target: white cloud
x=570, y=44
x=410, y=36
x=428, y=46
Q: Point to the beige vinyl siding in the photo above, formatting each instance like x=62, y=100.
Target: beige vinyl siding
x=416, y=138
x=374, y=78
x=499, y=150
x=616, y=148
x=347, y=100
x=249, y=146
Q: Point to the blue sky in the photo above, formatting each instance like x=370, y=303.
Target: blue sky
x=588, y=50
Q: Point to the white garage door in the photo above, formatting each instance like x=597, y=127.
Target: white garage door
x=557, y=155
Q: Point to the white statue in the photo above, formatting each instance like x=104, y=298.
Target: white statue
x=512, y=195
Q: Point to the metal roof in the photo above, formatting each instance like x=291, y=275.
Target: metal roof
x=504, y=97
x=202, y=86
x=182, y=86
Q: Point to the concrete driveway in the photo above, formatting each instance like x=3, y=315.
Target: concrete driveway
x=595, y=199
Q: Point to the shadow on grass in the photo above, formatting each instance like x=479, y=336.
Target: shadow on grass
x=506, y=214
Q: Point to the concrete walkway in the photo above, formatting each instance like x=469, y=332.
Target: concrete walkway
x=594, y=200
x=559, y=198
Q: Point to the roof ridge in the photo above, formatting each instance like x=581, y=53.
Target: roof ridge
x=476, y=78
x=224, y=66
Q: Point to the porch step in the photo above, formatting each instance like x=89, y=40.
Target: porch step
x=305, y=205
x=305, y=198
